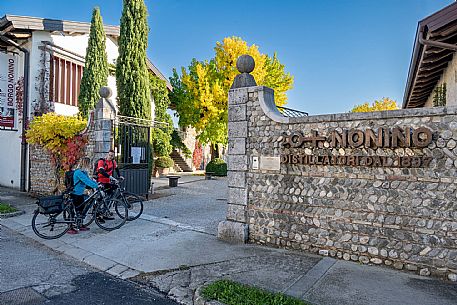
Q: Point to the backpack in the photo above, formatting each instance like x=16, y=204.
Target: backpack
x=95, y=172
x=69, y=180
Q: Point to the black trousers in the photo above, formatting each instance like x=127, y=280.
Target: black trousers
x=78, y=201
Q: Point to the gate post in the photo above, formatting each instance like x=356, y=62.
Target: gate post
x=105, y=113
x=235, y=228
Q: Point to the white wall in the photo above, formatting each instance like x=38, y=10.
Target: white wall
x=10, y=142
x=10, y=156
x=112, y=53
x=78, y=44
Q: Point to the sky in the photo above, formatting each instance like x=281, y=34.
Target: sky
x=340, y=52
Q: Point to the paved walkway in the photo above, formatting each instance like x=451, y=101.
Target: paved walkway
x=173, y=248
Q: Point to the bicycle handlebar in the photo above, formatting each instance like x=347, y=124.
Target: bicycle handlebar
x=117, y=181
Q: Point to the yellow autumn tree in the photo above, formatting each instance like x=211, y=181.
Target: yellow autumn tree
x=379, y=105
x=227, y=54
x=201, y=93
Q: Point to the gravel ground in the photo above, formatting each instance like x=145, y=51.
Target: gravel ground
x=203, y=203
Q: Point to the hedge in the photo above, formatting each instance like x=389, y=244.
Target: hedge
x=217, y=166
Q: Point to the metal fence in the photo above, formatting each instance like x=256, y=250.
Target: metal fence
x=291, y=113
x=133, y=146
x=134, y=151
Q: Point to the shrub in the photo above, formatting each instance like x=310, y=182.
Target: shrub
x=161, y=142
x=62, y=137
x=164, y=162
x=53, y=131
x=217, y=166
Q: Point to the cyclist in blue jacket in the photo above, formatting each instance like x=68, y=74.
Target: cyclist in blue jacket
x=81, y=181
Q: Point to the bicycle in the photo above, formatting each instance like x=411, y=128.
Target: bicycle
x=133, y=201
x=57, y=214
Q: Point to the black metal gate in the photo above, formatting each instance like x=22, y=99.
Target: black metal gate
x=133, y=147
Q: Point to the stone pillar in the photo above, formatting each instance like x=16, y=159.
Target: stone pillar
x=105, y=113
x=235, y=228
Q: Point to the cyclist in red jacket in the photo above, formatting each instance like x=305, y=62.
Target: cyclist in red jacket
x=105, y=170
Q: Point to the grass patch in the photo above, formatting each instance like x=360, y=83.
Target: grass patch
x=232, y=293
x=6, y=208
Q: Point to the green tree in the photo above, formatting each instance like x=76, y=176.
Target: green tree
x=95, y=73
x=181, y=98
x=379, y=105
x=201, y=93
x=132, y=77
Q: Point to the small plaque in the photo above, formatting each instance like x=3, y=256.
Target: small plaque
x=255, y=162
x=270, y=163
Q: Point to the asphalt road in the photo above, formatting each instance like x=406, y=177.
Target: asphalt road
x=32, y=274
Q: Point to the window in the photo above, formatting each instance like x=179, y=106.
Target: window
x=65, y=79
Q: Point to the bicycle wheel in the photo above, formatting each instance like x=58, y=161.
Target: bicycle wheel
x=134, y=204
x=89, y=217
x=111, y=214
x=50, y=226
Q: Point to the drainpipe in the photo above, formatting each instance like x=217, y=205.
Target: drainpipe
x=25, y=109
x=437, y=44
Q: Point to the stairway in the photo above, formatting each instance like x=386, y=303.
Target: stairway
x=180, y=162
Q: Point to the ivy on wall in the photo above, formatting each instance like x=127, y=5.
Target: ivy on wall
x=177, y=143
x=43, y=104
x=159, y=93
x=439, y=96
x=161, y=135
x=19, y=86
x=197, y=155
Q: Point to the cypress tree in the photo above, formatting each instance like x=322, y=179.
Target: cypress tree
x=95, y=73
x=131, y=69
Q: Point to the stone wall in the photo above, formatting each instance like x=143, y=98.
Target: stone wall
x=404, y=216
x=41, y=171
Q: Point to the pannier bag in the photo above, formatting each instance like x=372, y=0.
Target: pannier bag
x=50, y=204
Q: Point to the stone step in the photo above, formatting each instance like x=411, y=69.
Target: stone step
x=179, y=161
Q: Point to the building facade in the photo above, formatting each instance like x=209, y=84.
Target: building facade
x=41, y=66
x=432, y=77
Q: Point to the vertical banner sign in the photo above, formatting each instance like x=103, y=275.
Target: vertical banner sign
x=8, y=77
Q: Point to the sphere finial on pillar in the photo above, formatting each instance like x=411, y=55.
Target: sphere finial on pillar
x=105, y=92
x=245, y=64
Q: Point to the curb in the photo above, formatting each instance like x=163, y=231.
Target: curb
x=12, y=214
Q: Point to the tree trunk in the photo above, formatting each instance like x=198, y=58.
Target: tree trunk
x=214, y=151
